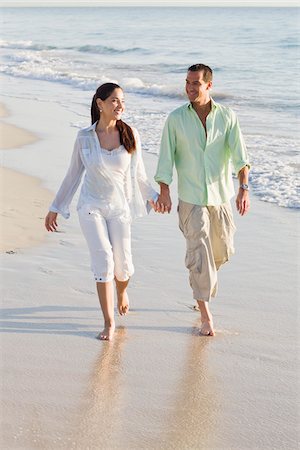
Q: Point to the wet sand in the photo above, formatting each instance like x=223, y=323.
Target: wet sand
x=158, y=385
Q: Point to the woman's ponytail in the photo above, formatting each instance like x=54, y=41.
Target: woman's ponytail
x=126, y=136
x=95, y=113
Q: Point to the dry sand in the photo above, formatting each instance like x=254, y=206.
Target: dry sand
x=158, y=385
x=23, y=201
x=3, y=111
x=12, y=136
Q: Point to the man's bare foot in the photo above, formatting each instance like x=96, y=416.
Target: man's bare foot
x=107, y=333
x=123, y=303
x=207, y=328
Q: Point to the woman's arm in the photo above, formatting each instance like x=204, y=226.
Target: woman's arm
x=67, y=190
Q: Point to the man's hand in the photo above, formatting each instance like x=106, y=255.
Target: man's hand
x=50, y=221
x=242, y=201
x=164, y=203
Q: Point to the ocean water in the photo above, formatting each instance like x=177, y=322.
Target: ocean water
x=63, y=54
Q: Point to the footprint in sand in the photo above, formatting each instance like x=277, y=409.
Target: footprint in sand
x=66, y=243
x=46, y=271
x=83, y=291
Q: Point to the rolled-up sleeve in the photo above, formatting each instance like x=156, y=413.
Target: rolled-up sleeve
x=237, y=146
x=164, y=171
x=69, y=185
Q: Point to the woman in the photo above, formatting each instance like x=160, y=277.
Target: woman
x=115, y=190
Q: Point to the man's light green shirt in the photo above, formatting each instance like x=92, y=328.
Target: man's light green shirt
x=203, y=164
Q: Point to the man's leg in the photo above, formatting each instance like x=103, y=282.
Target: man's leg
x=207, y=327
x=222, y=231
x=194, y=222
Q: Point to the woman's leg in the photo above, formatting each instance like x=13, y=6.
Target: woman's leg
x=120, y=237
x=94, y=228
x=106, y=299
x=123, y=301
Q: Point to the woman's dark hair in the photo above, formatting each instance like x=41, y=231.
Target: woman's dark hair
x=126, y=133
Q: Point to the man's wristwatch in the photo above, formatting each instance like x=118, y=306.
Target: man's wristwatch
x=244, y=186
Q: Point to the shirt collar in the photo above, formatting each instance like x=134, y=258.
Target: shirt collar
x=213, y=104
x=92, y=127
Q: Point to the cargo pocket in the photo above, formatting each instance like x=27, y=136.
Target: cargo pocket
x=193, y=260
x=227, y=230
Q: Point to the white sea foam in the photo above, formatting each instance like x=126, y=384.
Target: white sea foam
x=274, y=175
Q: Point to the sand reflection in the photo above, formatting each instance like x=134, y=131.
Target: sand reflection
x=196, y=406
x=100, y=414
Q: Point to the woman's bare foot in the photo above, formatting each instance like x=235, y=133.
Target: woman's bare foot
x=207, y=328
x=107, y=333
x=123, y=303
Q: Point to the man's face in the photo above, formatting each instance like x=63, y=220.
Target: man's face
x=195, y=87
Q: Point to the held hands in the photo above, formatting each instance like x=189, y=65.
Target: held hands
x=242, y=202
x=50, y=221
x=163, y=203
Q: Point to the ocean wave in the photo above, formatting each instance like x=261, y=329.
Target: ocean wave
x=36, y=67
x=107, y=50
x=28, y=45
x=97, y=49
x=289, y=43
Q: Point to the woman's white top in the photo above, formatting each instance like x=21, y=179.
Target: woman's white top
x=117, y=161
x=113, y=179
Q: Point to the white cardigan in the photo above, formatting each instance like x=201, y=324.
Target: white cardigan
x=98, y=187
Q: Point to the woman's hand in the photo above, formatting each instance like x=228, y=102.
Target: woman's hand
x=50, y=221
x=153, y=204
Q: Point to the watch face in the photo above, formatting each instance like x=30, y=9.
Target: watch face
x=244, y=186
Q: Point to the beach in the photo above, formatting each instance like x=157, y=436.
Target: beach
x=23, y=200
x=158, y=385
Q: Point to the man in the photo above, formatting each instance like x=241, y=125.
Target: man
x=203, y=139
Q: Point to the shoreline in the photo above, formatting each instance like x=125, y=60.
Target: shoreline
x=12, y=136
x=158, y=383
x=23, y=199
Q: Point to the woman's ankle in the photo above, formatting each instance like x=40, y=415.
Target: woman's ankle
x=108, y=323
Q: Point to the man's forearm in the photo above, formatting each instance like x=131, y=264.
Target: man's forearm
x=242, y=199
x=164, y=188
x=244, y=175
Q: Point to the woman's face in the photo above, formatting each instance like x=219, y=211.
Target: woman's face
x=113, y=107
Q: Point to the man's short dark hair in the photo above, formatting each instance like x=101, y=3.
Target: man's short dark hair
x=207, y=71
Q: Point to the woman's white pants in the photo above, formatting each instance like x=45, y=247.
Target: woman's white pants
x=109, y=241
